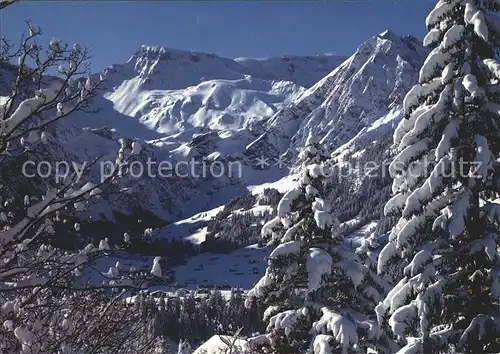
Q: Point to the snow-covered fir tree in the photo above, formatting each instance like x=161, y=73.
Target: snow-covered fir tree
x=443, y=252
x=373, y=287
x=310, y=285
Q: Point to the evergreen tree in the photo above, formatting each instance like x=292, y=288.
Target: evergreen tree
x=310, y=284
x=443, y=252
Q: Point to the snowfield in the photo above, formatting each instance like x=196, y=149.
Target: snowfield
x=241, y=268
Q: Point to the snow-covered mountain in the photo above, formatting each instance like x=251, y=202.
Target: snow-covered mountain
x=189, y=106
x=170, y=91
x=353, y=96
x=184, y=105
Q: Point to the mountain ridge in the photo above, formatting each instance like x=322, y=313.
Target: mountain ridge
x=354, y=95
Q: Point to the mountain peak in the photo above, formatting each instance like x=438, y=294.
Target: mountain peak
x=350, y=98
x=148, y=51
x=390, y=35
x=388, y=42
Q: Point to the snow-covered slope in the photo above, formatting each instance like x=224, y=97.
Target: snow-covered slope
x=161, y=197
x=218, y=344
x=168, y=91
x=189, y=106
x=354, y=95
x=241, y=268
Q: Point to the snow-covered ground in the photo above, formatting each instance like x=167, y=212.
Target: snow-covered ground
x=217, y=345
x=257, y=210
x=241, y=268
x=119, y=261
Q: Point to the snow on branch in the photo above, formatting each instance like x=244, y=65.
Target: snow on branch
x=287, y=320
x=319, y=263
x=38, y=99
x=342, y=328
x=442, y=8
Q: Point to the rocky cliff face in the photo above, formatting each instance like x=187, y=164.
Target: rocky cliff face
x=353, y=96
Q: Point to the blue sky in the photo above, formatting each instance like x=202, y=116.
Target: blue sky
x=115, y=29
